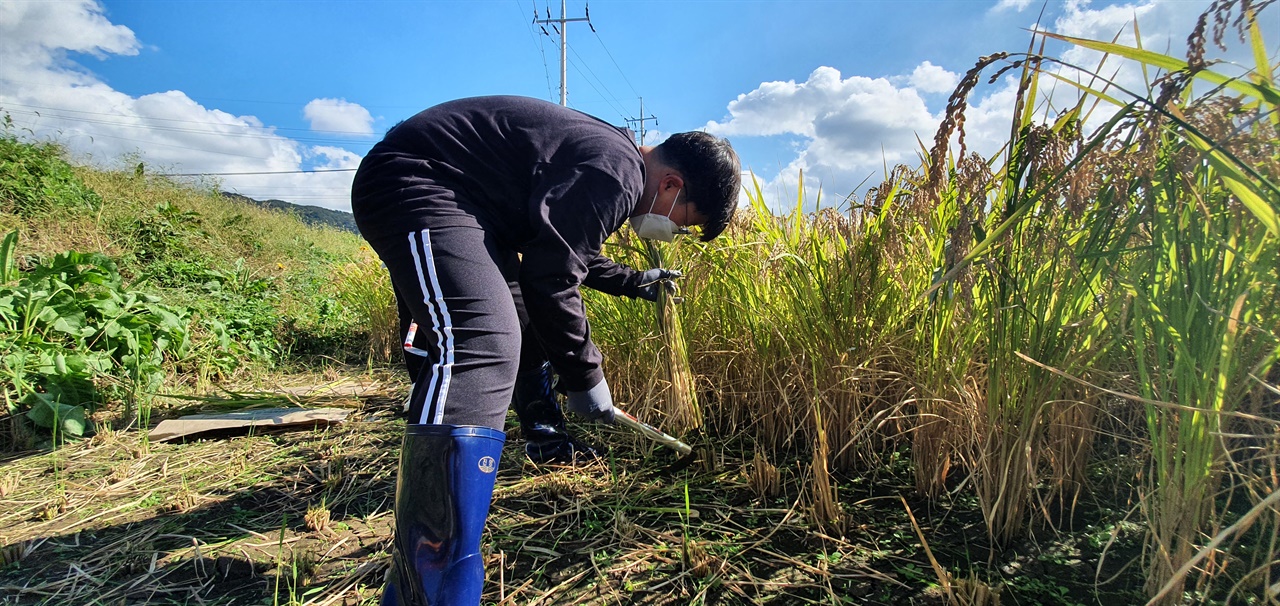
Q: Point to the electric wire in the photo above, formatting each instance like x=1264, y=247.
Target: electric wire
x=241, y=173
x=4, y=104
x=95, y=135
x=260, y=172
x=174, y=130
x=615, y=62
x=598, y=91
x=34, y=84
x=540, y=43
x=61, y=114
x=606, y=95
x=615, y=104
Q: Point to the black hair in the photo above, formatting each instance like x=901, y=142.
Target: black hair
x=712, y=176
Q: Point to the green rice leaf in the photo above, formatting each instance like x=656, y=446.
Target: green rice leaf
x=1087, y=89
x=1240, y=184
x=1262, y=91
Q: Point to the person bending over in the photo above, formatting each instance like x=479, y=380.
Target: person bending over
x=490, y=213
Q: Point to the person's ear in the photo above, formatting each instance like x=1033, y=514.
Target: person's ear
x=672, y=181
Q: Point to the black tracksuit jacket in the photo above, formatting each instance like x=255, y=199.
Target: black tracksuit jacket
x=548, y=182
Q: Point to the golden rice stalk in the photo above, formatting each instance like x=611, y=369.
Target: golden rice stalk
x=824, y=502
x=317, y=518
x=15, y=553
x=1004, y=474
x=333, y=472
x=1072, y=427
x=945, y=580
x=9, y=484
x=696, y=559
x=967, y=591
x=623, y=528
x=971, y=591
x=681, y=402
x=930, y=449
x=182, y=501
x=945, y=434
x=764, y=480
x=364, y=288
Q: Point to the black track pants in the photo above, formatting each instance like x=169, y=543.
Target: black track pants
x=454, y=281
x=532, y=356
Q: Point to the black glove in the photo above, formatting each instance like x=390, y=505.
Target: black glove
x=595, y=404
x=654, y=279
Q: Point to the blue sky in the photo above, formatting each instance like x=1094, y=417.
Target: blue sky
x=836, y=88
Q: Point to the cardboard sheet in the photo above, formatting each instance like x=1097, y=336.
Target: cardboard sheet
x=244, y=421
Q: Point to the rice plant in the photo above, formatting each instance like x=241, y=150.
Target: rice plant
x=1171, y=256
x=947, y=339
x=1198, y=271
x=363, y=287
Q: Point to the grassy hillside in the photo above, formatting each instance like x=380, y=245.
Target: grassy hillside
x=168, y=286
x=311, y=215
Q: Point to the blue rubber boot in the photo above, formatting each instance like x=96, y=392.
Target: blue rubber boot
x=543, y=424
x=442, y=500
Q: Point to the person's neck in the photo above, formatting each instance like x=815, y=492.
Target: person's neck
x=653, y=171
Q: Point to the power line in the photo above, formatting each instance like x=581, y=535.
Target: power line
x=153, y=143
x=157, y=143
x=603, y=89
x=615, y=62
x=30, y=83
x=4, y=104
x=542, y=50
x=174, y=129
x=263, y=172
x=616, y=104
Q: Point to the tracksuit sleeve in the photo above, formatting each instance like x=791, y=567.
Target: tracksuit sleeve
x=612, y=278
x=572, y=210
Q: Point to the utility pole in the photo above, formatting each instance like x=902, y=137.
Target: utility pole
x=564, y=47
x=642, y=119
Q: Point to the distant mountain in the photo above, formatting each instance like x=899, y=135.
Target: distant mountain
x=313, y=215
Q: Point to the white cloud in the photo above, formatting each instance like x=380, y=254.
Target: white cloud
x=989, y=118
x=653, y=136
x=338, y=115
x=850, y=128
x=326, y=187
x=930, y=78
x=1016, y=5
x=46, y=93
x=1079, y=20
x=332, y=158
x=31, y=32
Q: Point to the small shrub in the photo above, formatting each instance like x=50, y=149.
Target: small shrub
x=34, y=179
x=164, y=234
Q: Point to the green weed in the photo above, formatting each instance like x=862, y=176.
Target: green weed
x=75, y=337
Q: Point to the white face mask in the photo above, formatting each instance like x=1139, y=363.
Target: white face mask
x=651, y=226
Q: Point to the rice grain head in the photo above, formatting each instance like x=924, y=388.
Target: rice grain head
x=317, y=518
